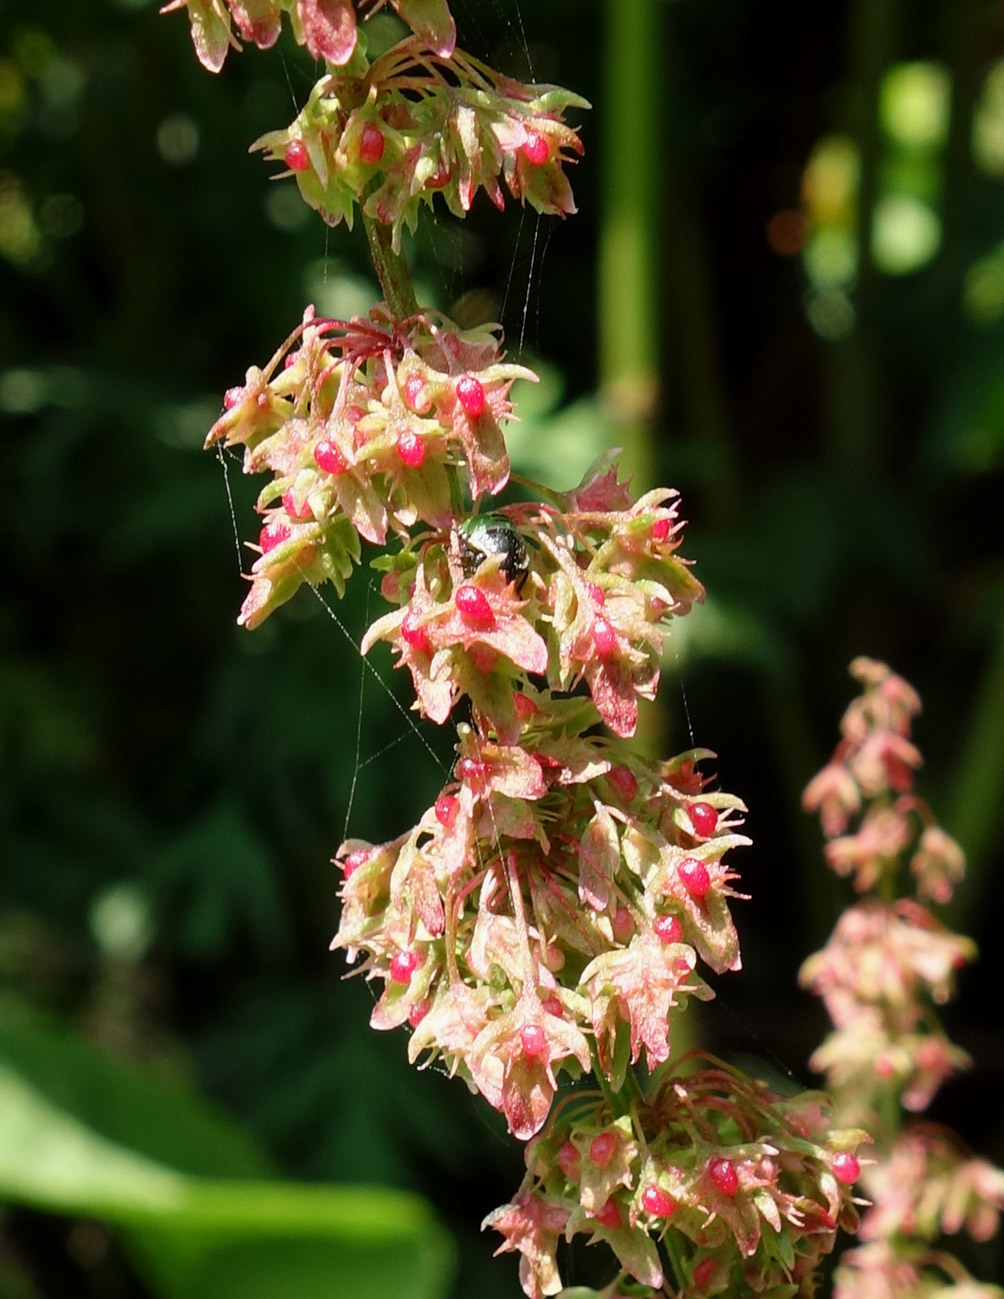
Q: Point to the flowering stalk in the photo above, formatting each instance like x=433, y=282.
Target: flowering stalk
x=547, y=915
x=887, y=965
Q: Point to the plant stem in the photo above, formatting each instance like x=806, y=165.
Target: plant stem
x=392, y=271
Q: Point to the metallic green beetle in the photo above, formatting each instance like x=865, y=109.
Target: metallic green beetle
x=484, y=535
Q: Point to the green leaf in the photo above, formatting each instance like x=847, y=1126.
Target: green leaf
x=195, y=1237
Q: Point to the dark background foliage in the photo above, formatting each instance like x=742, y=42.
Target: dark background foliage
x=173, y=788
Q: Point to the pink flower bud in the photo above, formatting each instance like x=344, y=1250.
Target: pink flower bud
x=328, y=457
x=704, y=1271
x=623, y=780
x=301, y=511
x=604, y=637
x=272, y=535
x=525, y=707
x=567, y=1158
x=609, y=1216
x=704, y=819
x=473, y=604
x=418, y=1012
x=536, y=148
x=596, y=594
x=694, y=876
x=657, y=1202
x=660, y=530
x=403, y=966
x=724, y=1176
x=602, y=1149
x=411, y=448
x=415, y=394
x=846, y=1168
x=231, y=397
x=354, y=860
x=533, y=1040
x=446, y=808
x=668, y=929
x=471, y=395
x=413, y=633
x=296, y=157
x=371, y=144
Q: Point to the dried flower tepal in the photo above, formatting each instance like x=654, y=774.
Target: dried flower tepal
x=554, y=911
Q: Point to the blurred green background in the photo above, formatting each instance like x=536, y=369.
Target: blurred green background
x=783, y=294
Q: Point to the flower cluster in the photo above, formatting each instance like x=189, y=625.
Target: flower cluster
x=887, y=965
x=742, y=1188
x=362, y=425
x=416, y=125
x=548, y=914
x=326, y=27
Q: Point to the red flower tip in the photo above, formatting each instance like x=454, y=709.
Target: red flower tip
x=609, y=1216
x=552, y=1005
x=328, y=457
x=371, y=144
x=533, y=1040
x=601, y=1149
x=846, y=1168
x=411, y=448
x=446, y=808
x=403, y=966
x=413, y=633
x=654, y=1200
x=604, y=637
x=596, y=594
x=704, y=1271
x=623, y=780
x=694, y=877
x=296, y=157
x=622, y=923
x=536, y=148
x=415, y=394
x=472, y=770
x=704, y=819
x=471, y=395
x=724, y=1176
x=473, y=604
x=231, y=397
x=301, y=511
x=418, y=1012
x=524, y=705
x=272, y=535
x=660, y=530
x=668, y=929
x=567, y=1158
x=354, y=860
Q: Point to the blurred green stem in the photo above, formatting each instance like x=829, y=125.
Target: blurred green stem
x=979, y=788
x=628, y=270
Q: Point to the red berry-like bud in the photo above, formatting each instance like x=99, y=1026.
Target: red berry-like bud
x=371, y=144
x=724, y=1176
x=845, y=1167
x=604, y=637
x=296, y=156
x=415, y=394
x=413, y=633
x=668, y=929
x=609, y=1216
x=301, y=511
x=231, y=397
x=411, y=448
x=552, y=1005
x=328, y=457
x=704, y=1271
x=660, y=530
x=657, y=1202
x=533, y=1040
x=567, y=1158
x=524, y=705
x=403, y=966
x=354, y=860
x=623, y=780
x=471, y=395
x=473, y=604
x=446, y=808
x=536, y=148
x=704, y=819
x=472, y=771
x=272, y=535
x=596, y=594
x=694, y=877
x=602, y=1148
